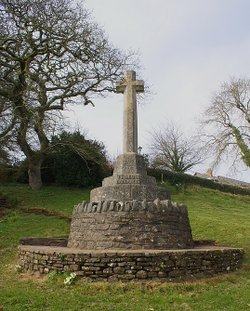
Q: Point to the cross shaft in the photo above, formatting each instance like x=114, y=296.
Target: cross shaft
x=129, y=87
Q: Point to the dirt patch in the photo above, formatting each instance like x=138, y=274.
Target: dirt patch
x=48, y=241
x=35, y=277
x=2, y=215
x=45, y=212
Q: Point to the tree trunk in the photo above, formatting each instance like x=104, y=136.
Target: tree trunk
x=35, y=179
x=245, y=151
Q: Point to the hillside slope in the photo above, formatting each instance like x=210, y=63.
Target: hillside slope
x=213, y=215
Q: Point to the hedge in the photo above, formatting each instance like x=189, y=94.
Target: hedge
x=186, y=179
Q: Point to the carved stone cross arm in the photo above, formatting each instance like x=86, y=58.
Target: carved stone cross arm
x=129, y=87
x=130, y=81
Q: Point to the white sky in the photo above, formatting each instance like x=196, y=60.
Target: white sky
x=188, y=48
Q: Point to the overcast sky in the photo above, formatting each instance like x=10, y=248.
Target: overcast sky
x=187, y=47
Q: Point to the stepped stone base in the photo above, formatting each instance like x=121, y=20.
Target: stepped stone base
x=126, y=265
x=128, y=192
x=129, y=181
x=130, y=225
x=130, y=230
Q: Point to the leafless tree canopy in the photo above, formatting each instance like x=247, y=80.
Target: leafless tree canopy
x=51, y=54
x=172, y=151
x=226, y=122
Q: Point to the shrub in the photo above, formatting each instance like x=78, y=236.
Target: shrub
x=186, y=179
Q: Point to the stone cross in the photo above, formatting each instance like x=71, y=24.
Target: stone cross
x=130, y=86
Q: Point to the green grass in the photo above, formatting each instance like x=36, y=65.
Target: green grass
x=213, y=215
x=218, y=216
x=57, y=199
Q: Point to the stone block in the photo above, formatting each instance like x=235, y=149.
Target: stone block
x=152, y=274
x=73, y=267
x=124, y=277
x=141, y=274
x=45, y=270
x=108, y=271
x=119, y=270
x=162, y=274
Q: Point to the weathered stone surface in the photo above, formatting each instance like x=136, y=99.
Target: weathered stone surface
x=129, y=87
x=129, y=182
x=141, y=274
x=129, y=193
x=131, y=225
x=132, y=265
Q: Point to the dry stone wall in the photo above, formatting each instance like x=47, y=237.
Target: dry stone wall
x=131, y=265
x=130, y=225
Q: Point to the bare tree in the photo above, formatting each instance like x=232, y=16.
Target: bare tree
x=51, y=55
x=172, y=151
x=226, y=123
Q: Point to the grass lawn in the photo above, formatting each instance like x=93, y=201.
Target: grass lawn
x=213, y=215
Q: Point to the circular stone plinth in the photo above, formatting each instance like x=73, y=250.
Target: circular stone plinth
x=112, y=265
x=158, y=224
